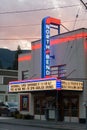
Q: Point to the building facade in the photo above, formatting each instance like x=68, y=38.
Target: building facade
x=68, y=63
x=5, y=77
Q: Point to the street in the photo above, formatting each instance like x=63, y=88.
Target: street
x=20, y=127
x=9, y=123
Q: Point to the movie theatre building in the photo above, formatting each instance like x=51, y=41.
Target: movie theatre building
x=62, y=95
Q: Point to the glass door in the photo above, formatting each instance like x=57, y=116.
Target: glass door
x=44, y=107
x=39, y=107
x=71, y=109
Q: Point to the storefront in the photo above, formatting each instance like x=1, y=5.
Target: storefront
x=71, y=108
x=61, y=107
x=53, y=99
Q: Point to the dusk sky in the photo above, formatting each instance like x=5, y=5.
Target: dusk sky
x=20, y=20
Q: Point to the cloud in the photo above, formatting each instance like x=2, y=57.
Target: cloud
x=67, y=15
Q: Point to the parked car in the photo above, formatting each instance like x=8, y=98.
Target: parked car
x=4, y=109
x=12, y=106
x=8, y=108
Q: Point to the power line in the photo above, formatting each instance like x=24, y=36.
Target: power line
x=27, y=38
x=26, y=25
x=21, y=25
x=74, y=20
x=84, y=15
x=14, y=39
x=84, y=3
x=27, y=11
x=77, y=15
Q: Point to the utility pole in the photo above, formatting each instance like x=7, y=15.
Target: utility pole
x=85, y=4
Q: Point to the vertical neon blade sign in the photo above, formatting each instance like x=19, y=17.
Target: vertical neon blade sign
x=46, y=44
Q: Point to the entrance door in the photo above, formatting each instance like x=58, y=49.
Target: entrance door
x=71, y=109
x=39, y=107
x=44, y=107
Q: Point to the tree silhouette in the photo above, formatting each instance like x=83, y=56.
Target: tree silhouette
x=15, y=64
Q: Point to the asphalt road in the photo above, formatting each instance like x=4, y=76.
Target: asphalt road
x=17, y=127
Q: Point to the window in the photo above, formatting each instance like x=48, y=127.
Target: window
x=25, y=74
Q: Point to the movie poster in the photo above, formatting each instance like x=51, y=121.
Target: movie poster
x=24, y=102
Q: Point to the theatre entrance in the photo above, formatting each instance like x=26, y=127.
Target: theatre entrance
x=71, y=108
x=53, y=105
x=45, y=105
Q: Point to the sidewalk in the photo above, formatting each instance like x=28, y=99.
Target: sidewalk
x=44, y=124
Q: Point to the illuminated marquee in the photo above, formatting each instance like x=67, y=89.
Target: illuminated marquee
x=34, y=85
x=45, y=84
x=46, y=22
x=71, y=85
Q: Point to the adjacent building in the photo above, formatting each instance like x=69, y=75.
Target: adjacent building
x=5, y=77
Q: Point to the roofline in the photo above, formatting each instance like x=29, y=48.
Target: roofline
x=62, y=34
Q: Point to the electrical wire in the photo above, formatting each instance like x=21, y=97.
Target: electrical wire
x=84, y=3
x=83, y=16
x=18, y=26
x=13, y=39
x=73, y=42
x=26, y=25
x=27, y=11
x=77, y=15
x=74, y=20
x=26, y=38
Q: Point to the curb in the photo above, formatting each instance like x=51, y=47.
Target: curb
x=34, y=125
x=61, y=126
